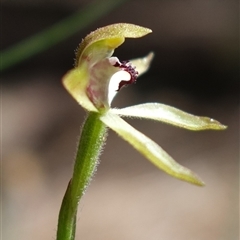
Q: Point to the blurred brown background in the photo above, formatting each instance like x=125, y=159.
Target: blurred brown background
x=196, y=69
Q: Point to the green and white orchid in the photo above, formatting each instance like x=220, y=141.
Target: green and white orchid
x=94, y=82
x=96, y=79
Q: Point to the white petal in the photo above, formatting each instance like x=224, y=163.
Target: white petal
x=142, y=64
x=171, y=115
x=149, y=149
x=98, y=84
x=114, y=82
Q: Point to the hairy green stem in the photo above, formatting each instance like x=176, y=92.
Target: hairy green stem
x=91, y=142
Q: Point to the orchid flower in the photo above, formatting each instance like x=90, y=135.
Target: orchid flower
x=98, y=77
x=94, y=82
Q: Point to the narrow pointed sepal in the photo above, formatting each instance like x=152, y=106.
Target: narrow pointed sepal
x=171, y=115
x=153, y=152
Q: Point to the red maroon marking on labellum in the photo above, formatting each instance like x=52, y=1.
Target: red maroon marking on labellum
x=126, y=66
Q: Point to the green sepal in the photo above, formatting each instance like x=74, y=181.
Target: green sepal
x=106, y=39
x=147, y=147
x=171, y=115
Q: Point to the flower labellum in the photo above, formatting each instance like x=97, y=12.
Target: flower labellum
x=98, y=77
